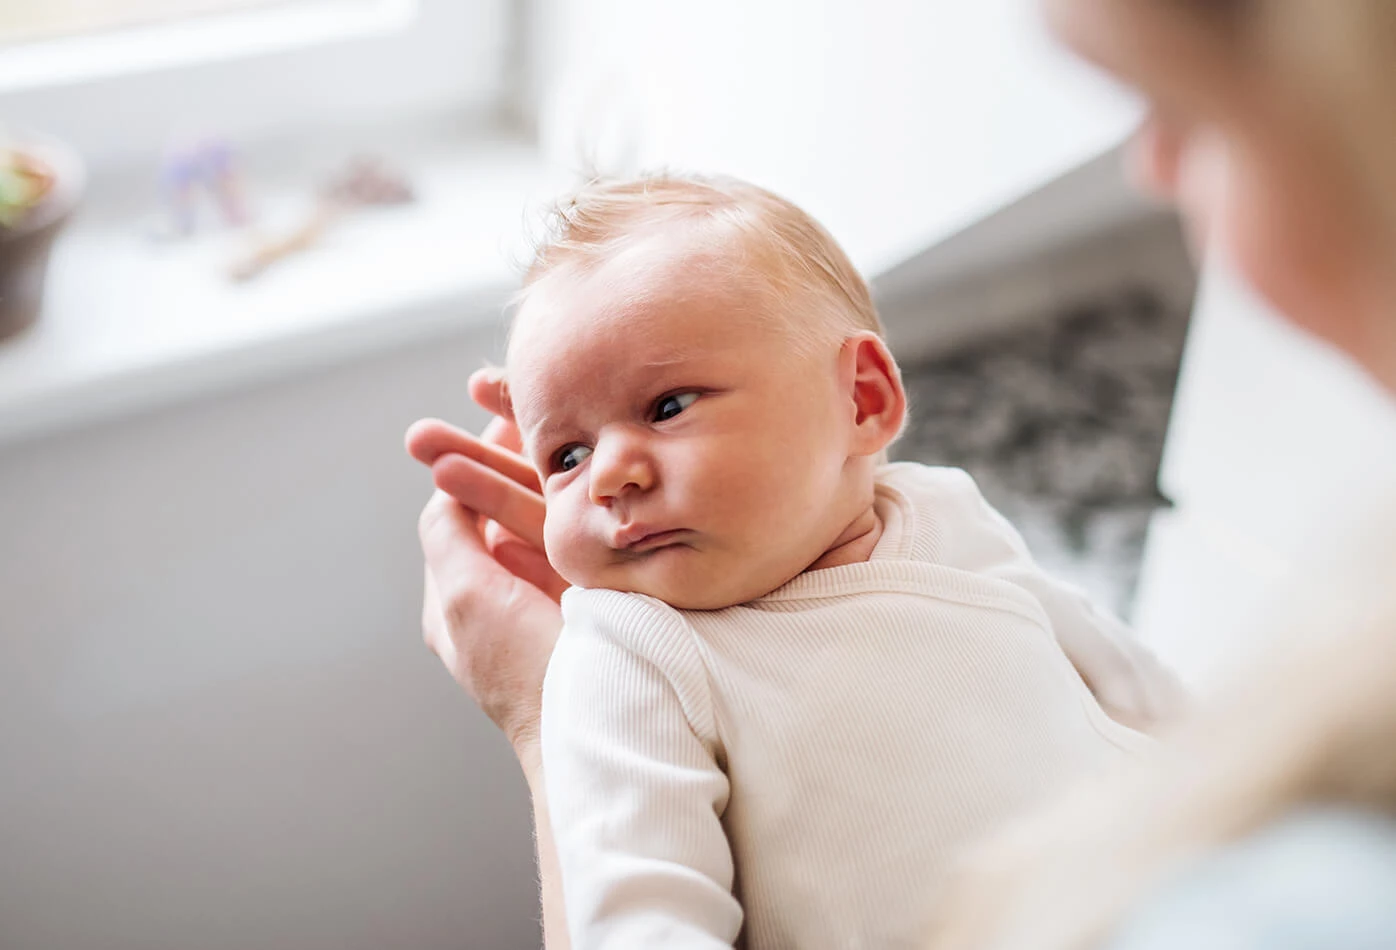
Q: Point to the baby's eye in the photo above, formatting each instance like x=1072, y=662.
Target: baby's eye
x=570, y=457
x=671, y=406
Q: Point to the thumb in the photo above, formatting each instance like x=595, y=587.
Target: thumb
x=486, y=388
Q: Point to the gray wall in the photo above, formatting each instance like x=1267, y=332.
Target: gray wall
x=218, y=724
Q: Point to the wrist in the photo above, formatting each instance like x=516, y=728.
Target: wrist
x=527, y=747
x=516, y=713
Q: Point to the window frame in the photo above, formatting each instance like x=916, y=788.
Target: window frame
x=120, y=97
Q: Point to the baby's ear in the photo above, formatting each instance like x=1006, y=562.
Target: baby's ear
x=875, y=384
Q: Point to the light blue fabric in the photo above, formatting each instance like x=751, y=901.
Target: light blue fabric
x=1320, y=880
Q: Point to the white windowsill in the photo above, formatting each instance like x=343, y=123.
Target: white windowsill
x=130, y=324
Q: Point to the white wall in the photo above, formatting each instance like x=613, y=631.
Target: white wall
x=1035, y=256
x=895, y=122
x=1280, y=458
x=218, y=724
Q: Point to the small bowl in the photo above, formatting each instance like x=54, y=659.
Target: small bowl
x=24, y=248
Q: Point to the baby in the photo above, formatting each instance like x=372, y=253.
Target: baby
x=793, y=680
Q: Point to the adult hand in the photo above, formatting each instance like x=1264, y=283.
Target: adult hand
x=489, y=608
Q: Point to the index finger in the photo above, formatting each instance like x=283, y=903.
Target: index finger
x=428, y=440
x=484, y=490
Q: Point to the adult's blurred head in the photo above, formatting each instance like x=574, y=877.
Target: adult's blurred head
x=1273, y=126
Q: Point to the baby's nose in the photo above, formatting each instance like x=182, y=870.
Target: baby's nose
x=620, y=465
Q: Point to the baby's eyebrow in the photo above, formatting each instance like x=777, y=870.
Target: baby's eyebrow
x=527, y=407
x=547, y=429
x=542, y=432
x=551, y=427
x=661, y=363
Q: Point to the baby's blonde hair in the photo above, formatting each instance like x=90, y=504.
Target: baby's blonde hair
x=766, y=236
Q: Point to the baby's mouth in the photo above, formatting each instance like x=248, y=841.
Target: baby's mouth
x=639, y=540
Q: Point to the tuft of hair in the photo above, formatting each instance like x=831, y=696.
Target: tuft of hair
x=769, y=237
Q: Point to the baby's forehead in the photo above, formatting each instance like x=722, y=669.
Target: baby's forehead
x=651, y=265
x=601, y=328
x=647, y=289
x=575, y=328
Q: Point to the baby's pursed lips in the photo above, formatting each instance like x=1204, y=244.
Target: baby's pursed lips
x=637, y=538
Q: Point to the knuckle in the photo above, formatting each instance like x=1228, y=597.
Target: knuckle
x=460, y=603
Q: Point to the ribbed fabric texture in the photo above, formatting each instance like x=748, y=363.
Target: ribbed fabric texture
x=799, y=771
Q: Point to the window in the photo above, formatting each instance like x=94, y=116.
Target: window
x=118, y=78
x=28, y=20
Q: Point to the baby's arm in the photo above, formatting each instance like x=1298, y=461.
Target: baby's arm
x=635, y=794
x=1128, y=681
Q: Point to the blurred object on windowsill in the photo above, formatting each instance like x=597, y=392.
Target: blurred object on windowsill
x=195, y=170
x=366, y=182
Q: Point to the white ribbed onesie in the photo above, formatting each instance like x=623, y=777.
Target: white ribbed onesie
x=800, y=769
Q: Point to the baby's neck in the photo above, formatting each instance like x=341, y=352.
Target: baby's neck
x=855, y=544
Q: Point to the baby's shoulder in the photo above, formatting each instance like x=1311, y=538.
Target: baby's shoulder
x=945, y=516
x=637, y=623
x=609, y=637
x=938, y=485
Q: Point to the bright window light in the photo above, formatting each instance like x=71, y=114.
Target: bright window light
x=23, y=21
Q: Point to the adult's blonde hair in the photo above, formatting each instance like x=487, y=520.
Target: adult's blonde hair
x=1344, y=51
x=1337, y=57
x=764, y=236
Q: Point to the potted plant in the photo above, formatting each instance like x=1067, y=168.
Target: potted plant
x=40, y=182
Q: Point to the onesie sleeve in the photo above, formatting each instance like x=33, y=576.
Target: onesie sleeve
x=1130, y=683
x=635, y=792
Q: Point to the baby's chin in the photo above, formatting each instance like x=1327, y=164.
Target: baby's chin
x=670, y=575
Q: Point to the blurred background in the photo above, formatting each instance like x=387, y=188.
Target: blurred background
x=245, y=243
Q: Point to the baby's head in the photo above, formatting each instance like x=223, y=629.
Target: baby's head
x=700, y=379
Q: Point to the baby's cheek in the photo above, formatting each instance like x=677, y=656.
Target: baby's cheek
x=566, y=543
